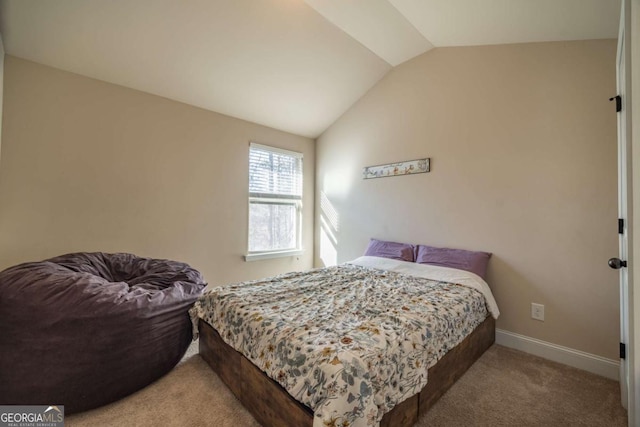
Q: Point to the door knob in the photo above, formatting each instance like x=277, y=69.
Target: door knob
x=616, y=263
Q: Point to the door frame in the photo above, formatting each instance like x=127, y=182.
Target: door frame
x=632, y=24
x=628, y=369
x=622, y=70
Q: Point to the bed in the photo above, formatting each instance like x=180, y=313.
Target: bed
x=372, y=342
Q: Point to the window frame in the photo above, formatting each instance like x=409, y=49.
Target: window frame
x=276, y=199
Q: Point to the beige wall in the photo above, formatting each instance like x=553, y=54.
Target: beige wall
x=91, y=166
x=1, y=87
x=522, y=141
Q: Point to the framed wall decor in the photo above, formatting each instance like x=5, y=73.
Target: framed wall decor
x=408, y=167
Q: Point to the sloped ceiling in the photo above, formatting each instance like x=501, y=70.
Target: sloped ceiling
x=289, y=64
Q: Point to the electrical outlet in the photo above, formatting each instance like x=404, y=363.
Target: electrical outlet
x=537, y=311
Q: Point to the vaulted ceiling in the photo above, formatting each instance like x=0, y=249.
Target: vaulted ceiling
x=295, y=65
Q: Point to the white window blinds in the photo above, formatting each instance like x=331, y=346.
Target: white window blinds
x=275, y=200
x=274, y=172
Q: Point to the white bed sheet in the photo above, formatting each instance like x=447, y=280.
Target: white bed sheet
x=433, y=272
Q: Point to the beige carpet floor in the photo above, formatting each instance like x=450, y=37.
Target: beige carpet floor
x=504, y=387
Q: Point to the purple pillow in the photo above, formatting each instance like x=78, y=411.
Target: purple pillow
x=393, y=250
x=475, y=262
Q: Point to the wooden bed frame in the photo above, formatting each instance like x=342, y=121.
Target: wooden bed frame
x=271, y=405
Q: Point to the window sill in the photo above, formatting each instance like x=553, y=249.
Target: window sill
x=269, y=255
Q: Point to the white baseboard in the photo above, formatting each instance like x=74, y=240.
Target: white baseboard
x=578, y=359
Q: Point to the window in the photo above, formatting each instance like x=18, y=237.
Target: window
x=275, y=201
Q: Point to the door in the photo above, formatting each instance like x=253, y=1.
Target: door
x=620, y=263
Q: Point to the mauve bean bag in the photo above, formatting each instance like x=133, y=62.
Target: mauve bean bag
x=85, y=329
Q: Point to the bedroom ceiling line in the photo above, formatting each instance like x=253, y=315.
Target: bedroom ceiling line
x=440, y=23
x=294, y=65
x=378, y=25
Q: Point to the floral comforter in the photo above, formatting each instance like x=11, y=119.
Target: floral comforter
x=350, y=342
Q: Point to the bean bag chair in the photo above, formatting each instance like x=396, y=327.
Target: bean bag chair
x=86, y=329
